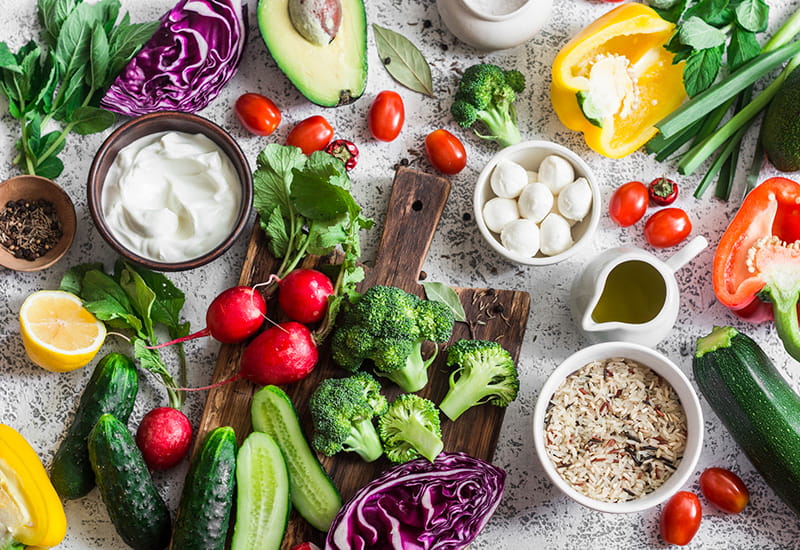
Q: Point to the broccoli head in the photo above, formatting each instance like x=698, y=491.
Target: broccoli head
x=486, y=93
x=410, y=428
x=342, y=410
x=485, y=373
x=388, y=326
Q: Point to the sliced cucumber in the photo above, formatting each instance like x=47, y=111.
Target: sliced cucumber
x=312, y=492
x=262, y=497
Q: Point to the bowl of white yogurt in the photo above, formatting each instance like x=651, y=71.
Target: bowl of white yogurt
x=170, y=191
x=537, y=203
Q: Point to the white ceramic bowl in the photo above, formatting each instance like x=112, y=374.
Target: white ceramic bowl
x=530, y=154
x=667, y=370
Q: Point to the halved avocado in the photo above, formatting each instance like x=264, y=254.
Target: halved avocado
x=329, y=75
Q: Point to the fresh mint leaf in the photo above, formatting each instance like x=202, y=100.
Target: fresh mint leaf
x=701, y=70
x=440, y=292
x=663, y=4
x=52, y=14
x=275, y=229
x=74, y=40
x=753, y=15
x=124, y=41
x=89, y=120
x=50, y=168
x=141, y=298
x=714, y=12
x=700, y=35
x=72, y=280
x=98, y=58
x=742, y=48
x=7, y=59
x=107, y=13
x=669, y=10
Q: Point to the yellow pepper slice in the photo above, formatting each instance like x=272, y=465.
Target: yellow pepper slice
x=614, y=80
x=30, y=510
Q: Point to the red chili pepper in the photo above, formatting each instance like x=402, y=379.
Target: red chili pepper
x=344, y=150
x=305, y=546
x=757, y=262
x=662, y=191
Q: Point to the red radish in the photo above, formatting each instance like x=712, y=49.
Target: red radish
x=233, y=316
x=303, y=295
x=164, y=436
x=305, y=546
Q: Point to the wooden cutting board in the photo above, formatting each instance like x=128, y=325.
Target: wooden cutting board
x=415, y=207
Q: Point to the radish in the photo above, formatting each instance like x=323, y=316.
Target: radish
x=303, y=295
x=164, y=436
x=305, y=546
x=233, y=316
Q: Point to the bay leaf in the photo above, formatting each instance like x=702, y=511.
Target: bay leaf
x=440, y=292
x=403, y=60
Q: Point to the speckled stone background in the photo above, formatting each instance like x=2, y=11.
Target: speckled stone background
x=533, y=514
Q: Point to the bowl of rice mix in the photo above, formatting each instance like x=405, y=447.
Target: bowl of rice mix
x=618, y=427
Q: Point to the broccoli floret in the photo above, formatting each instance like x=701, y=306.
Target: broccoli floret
x=388, y=327
x=342, y=410
x=486, y=93
x=410, y=428
x=485, y=373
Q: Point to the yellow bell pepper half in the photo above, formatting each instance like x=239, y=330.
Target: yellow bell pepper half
x=614, y=80
x=30, y=510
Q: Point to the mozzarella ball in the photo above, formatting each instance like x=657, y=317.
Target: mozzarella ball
x=556, y=235
x=556, y=173
x=497, y=212
x=508, y=179
x=535, y=201
x=575, y=200
x=532, y=176
x=521, y=237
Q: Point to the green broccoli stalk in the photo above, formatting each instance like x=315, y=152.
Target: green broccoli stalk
x=342, y=410
x=410, y=428
x=486, y=93
x=388, y=327
x=485, y=373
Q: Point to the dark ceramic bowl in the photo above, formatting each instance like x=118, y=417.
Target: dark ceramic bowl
x=151, y=124
x=32, y=188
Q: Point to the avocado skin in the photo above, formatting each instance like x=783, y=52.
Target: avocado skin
x=780, y=131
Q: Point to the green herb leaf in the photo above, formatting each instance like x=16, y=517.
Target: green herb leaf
x=7, y=59
x=141, y=298
x=753, y=15
x=74, y=40
x=403, y=60
x=52, y=14
x=169, y=299
x=700, y=35
x=742, y=48
x=109, y=302
x=72, y=280
x=50, y=168
x=701, y=70
x=273, y=177
x=318, y=200
x=89, y=120
x=669, y=10
x=124, y=41
x=324, y=166
x=277, y=233
x=98, y=58
x=440, y=292
x=714, y=12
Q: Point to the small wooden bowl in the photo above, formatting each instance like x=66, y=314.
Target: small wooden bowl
x=158, y=122
x=35, y=188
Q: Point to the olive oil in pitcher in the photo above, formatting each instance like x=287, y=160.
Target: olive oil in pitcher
x=634, y=292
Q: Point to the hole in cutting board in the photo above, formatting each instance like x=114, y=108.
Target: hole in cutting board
x=416, y=206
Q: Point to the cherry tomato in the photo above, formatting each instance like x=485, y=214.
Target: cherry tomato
x=680, y=518
x=386, y=116
x=311, y=134
x=445, y=152
x=724, y=489
x=628, y=203
x=257, y=113
x=667, y=227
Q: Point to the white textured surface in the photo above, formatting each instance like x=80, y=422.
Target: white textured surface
x=533, y=514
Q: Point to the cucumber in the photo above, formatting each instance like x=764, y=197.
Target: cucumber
x=312, y=492
x=262, y=497
x=111, y=389
x=756, y=404
x=205, y=508
x=137, y=511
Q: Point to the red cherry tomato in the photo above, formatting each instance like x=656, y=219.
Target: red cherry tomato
x=445, y=152
x=257, y=113
x=628, y=203
x=667, y=227
x=680, y=518
x=724, y=489
x=311, y=134
x=386, y=116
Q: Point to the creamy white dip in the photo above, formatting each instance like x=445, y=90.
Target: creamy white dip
x=171, y=196
x=496, y=7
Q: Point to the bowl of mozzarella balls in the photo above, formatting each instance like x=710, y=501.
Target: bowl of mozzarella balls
x=537, y=203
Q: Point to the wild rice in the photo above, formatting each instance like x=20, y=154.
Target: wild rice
x=615, y=430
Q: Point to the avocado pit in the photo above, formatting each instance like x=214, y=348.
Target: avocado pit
x=317, y=21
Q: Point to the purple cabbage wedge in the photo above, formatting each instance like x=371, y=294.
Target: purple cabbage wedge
x=189, y=59
x=420, y=505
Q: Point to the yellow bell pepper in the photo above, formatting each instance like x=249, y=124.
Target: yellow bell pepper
x=614, y=80
x=30, y=510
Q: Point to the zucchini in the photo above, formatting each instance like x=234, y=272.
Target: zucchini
x=112, y=389
x=137, y=511
x=313, y=494
x=262, y=497
x=756, y=404
x=205, y=508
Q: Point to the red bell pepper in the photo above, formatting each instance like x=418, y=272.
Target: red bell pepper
x=756, y=269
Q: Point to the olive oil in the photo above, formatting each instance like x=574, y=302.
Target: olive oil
x=634, y=292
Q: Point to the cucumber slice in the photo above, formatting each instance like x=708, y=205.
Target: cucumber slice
x=312, y=492
x=262, y=497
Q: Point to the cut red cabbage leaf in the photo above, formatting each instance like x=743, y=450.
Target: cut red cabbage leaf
x=185, y=64
x=420, y=505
